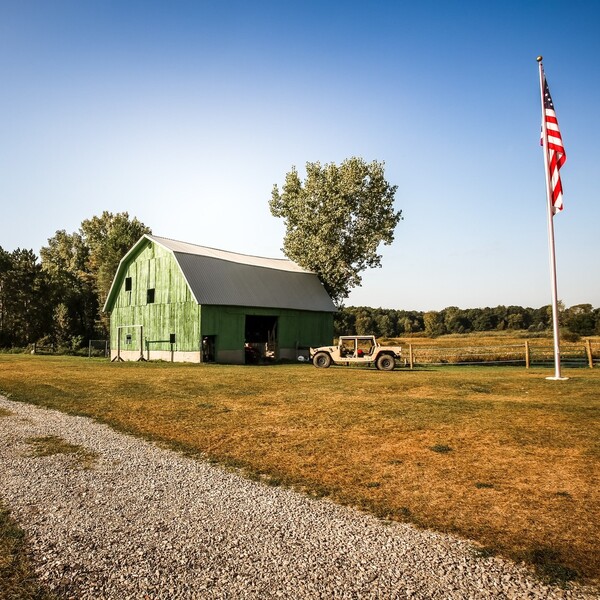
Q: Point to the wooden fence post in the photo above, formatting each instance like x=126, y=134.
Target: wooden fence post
x=410, y=356
x=588, y=348
x=527, y=356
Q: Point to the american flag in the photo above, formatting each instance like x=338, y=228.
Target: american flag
x=556, y=151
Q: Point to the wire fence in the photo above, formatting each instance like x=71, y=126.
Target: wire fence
x=98, y=348
x=581, y=354
x=585, y=353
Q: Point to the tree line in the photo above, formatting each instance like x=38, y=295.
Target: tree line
x=57, y=298
x=581, y=319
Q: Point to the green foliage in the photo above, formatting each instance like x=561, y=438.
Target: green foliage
x=434, y=323
x=364, y=324
x=82, y=266
x=108, y=238
x=385, y=325
x=64, y=260
x=453, y=321
x=581, y=319
x=24, y=310
x=62, y=324
x=578, y=320
x=59, y=300
x=336, y=219
x=568, y=335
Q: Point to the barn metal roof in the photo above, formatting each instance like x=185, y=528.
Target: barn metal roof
x=282, y=264
x=219, y=277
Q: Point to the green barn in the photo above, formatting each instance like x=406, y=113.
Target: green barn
x=181, y=302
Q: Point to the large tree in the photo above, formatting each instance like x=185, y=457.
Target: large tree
x=108, y=238
x=25, y=312
x=65, y=260
x=581, y=319
x=82, y=266
x=336, y=219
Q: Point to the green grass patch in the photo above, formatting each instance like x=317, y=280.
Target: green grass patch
x=50, y=445
x=338, y=432
x=17, y=577
x=481, y=485
x=550, y=565
x=440, y=448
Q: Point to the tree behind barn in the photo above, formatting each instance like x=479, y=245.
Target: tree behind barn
x=108, y=238
x=82, y=265
x=336, y=219
x=72, y=292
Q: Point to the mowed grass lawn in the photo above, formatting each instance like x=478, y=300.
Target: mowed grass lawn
x=499, y=455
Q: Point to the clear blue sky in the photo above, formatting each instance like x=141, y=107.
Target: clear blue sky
x=185, y=113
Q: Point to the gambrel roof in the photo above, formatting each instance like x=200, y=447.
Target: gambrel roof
x=218, y=277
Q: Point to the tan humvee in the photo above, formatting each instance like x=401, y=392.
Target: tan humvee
x=356, y=349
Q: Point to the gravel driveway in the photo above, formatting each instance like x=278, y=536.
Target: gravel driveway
x=145, y=522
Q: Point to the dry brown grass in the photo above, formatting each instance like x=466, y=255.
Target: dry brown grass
x=496, y=454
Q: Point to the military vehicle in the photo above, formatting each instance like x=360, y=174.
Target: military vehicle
x=357, y=349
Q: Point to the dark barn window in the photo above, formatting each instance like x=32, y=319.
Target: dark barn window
x=150, y=296
x=127, y=284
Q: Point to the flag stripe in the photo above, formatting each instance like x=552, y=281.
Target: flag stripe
x=556, y=156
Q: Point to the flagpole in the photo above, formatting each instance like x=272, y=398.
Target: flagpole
x=551, y=245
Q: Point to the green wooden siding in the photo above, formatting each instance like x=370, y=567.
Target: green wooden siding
x=295, y=327
x=305, y=328
x=174, y=310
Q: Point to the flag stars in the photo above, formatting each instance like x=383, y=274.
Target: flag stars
x=548, y=99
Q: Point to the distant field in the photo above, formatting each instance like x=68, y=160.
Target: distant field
x=496, y=454
x=499, y=347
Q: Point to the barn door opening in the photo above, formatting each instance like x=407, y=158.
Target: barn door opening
x=260, y=339
x=209, y=343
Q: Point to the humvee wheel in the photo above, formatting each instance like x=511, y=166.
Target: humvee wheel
x=321, y=360
x=386, y=362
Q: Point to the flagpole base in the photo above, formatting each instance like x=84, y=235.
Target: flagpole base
x=557, y=378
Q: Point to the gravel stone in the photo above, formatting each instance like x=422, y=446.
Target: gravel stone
x=144, y=522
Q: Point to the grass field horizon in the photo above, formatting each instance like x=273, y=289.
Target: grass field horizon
x=498, y=455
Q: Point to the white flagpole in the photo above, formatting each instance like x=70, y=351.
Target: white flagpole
x=551, y=246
